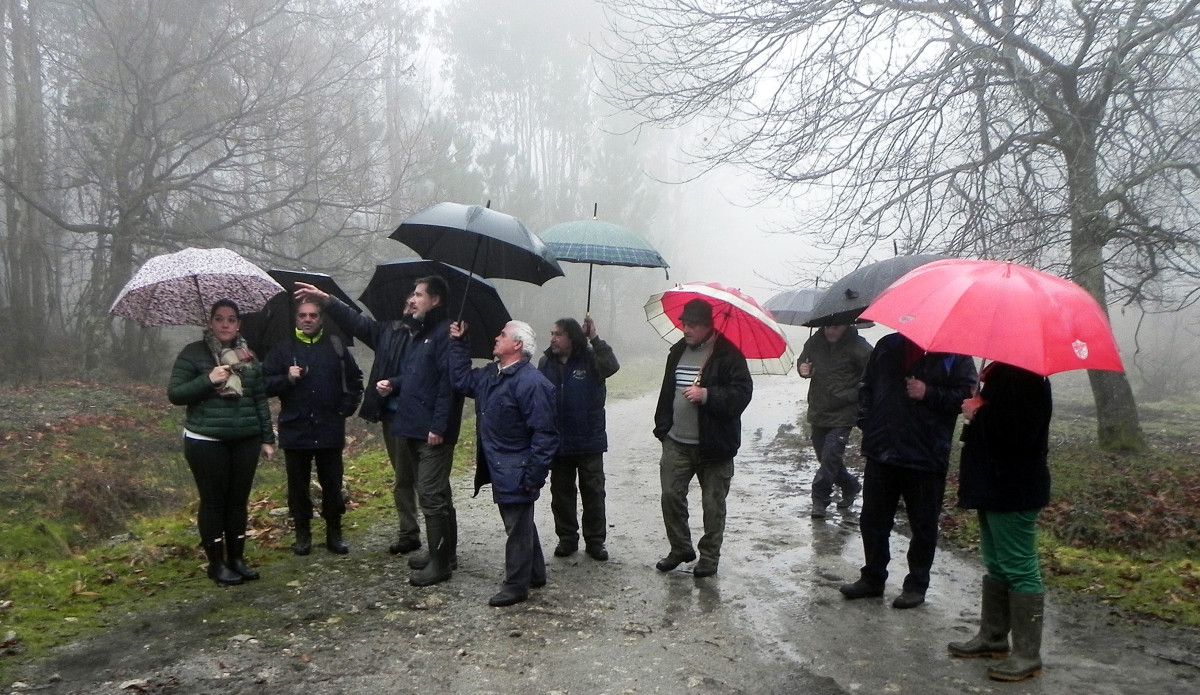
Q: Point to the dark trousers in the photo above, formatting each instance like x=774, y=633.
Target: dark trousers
x=590, y=470
x=523, y=559
x=428, y=469
x=922, y=492
x=224, y=473
x=299, y=464
x=830, y=445
x=403, y=495
x=679, y=464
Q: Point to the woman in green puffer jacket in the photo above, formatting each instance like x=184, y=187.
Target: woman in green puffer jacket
x=228, y=425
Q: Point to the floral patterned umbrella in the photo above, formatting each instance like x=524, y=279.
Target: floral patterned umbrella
x=178, y=289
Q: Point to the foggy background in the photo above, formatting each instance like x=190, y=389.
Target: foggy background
x=299, y=134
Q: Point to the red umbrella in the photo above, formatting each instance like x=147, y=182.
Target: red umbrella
x=1000, y=311
x=736, y=315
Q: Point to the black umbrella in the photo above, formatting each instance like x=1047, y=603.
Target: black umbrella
x=321, y=281
x=794, y=307
x=490, y=244
x=275, y=322
x=849, y=296
x=483, y=310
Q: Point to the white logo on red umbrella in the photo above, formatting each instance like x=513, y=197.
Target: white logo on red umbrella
x=1080, y=348
x=907, y=318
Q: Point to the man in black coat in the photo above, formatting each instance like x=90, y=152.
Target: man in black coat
x=577, y=363
x=319, y=385
x=706, y=387
x=908, y=404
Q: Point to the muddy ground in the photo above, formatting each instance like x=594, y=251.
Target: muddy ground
x=771, y=621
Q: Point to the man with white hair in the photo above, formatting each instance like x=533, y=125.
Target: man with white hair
x=516, y=436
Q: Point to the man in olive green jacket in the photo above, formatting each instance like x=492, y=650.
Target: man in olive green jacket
x=834, y=359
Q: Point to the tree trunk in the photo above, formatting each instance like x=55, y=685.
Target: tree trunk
x=1118, y=426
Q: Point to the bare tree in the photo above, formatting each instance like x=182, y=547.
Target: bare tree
x=1063, y=134
x=250, y=124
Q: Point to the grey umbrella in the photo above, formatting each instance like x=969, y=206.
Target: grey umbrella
x=794, y=307
x=849, y=296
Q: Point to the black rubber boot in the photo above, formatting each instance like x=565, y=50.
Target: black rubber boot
x=438, y=569
x=235, y=546
x=1025, y=661
x=303, y=544
x=991, y=641
x=217, y=570
x=420, y=558
x=334, y=542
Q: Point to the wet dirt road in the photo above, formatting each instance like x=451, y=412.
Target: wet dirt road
x=771, y=621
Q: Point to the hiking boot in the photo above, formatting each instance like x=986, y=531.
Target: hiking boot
x=404, y=545
x=861, y=589
x=909, y=599
x=565, y=548
x=303, y=544
x=849, y=495
x=334, y=542
x=705, y=568
x=506, y=598
x=819, y=511
x=596, y=551
x=673, y=560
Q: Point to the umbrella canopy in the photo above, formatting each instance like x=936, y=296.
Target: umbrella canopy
x=490, y=244
x=321, y=281
x=1000, y=311
x=483, y=310
x=794, y=307
x=845, y=299
x=275, y=322
x=737, y=316
x=178, y=289
x=601, y=243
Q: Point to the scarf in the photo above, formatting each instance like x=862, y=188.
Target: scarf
x=307, y=340
x=239, y=357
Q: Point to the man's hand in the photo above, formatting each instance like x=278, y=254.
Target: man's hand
x=805, y=368
x=383, y=388
x=268, y=451
x=295, y=373
x=696, y=395
x=915, y=388
x=457, y=330
x=309, y=293
x=589, y=328
x=433, y=439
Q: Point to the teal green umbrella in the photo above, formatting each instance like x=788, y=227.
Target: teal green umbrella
x=600, y=243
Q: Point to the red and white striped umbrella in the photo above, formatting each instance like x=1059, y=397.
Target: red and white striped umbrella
x=736, y=315
x=178, y=289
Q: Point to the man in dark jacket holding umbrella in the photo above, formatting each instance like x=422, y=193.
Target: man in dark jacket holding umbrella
x=908, y=404
x=516, y=437
x=706, y=387
x=319, y=385
x=411, y=393
x=577, y=363
x=834, y=359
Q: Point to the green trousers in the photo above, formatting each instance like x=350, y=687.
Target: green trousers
x=679, y=464
x=1008, y=543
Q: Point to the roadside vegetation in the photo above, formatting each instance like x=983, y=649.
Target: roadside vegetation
x=99, y=509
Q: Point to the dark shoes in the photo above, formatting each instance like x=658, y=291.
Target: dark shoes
x=819, y=511
x=909, y=599
x=334, y=542
x=505, y=598
x=848, y=496
x=218, y=571
x=563, y=549
x=404, y=545
x=303, y=544
x=236, y=548
x=596, y=551
x=673, y=560
x=704, y=568
x=861, y=589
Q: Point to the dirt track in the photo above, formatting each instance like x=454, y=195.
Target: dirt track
x=771, y=621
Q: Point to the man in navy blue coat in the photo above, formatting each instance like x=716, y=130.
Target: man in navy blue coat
x=319, y=385
x=577, y=363
x=516, y=437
